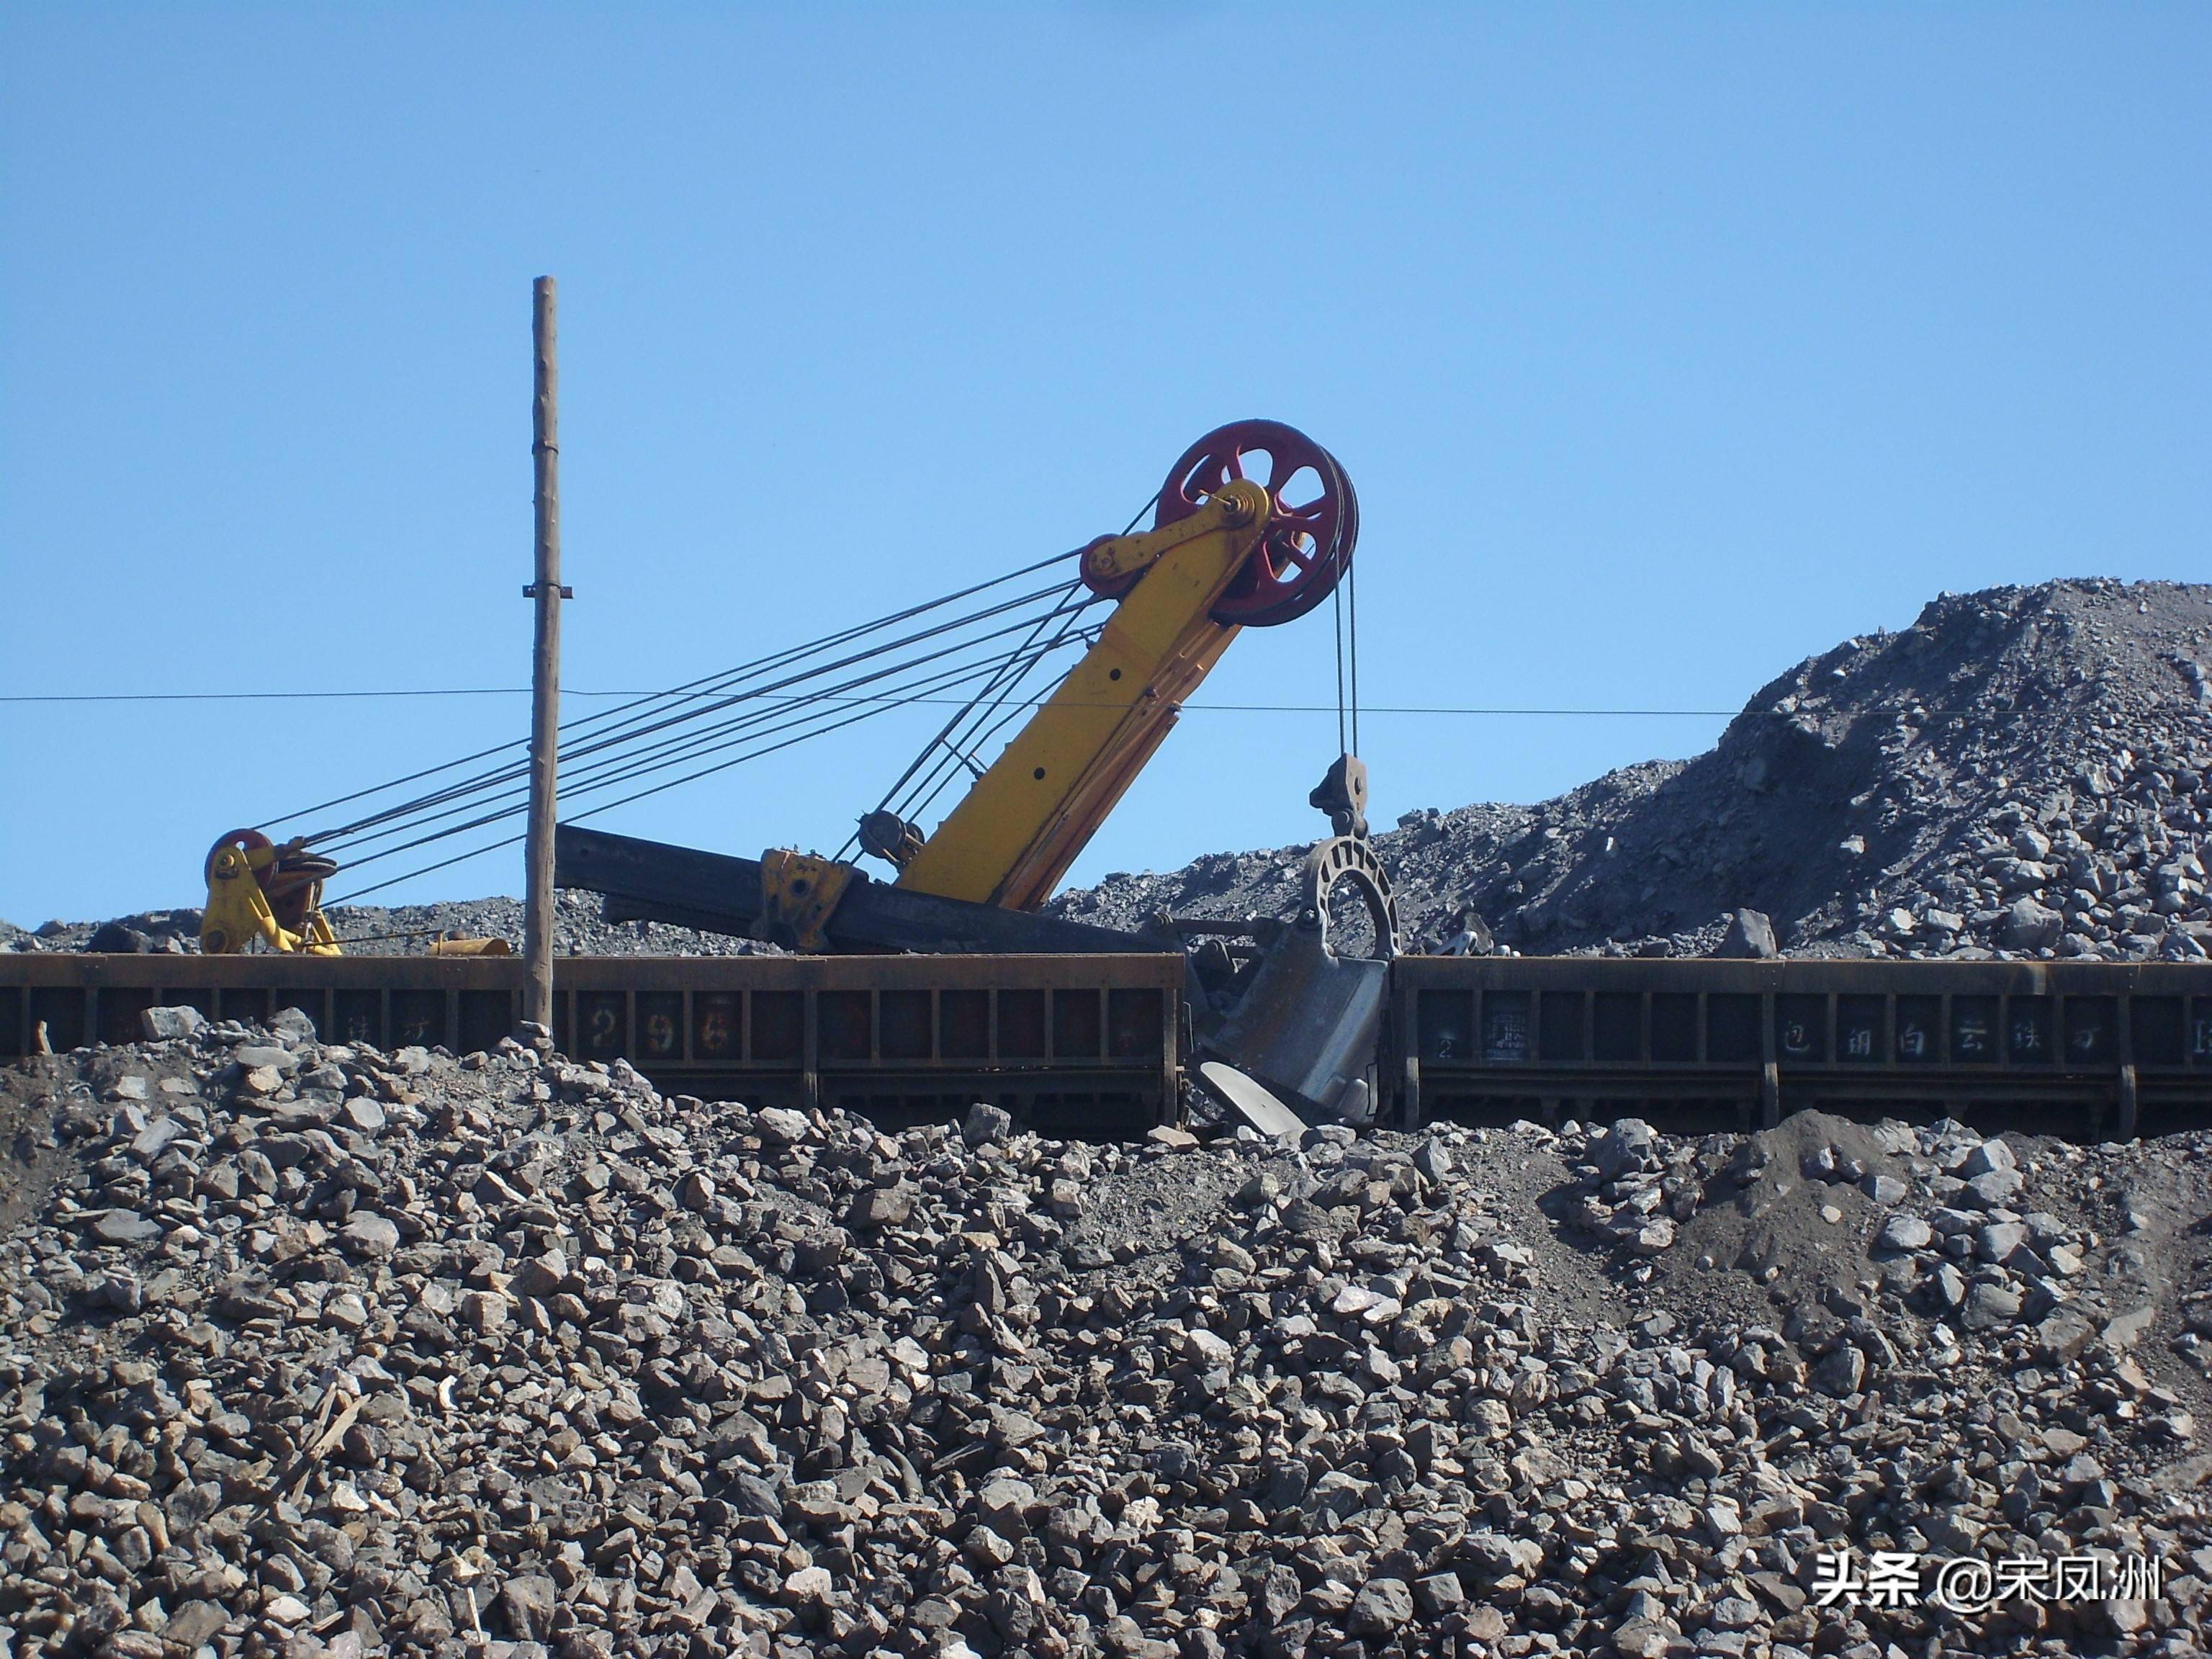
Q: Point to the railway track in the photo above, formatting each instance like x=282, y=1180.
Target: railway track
x=1097, y=1045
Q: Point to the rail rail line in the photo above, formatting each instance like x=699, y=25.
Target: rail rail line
x=1097, y=1044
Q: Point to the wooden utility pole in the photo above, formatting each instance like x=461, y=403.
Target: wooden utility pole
x=544, y=666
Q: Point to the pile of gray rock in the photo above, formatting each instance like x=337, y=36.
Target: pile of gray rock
x=309, y=1348
x=403, y=930
x=176, y=931
x=2026, y=771
x=1936, y=1220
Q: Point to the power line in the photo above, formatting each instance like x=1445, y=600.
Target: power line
x=1485, y=711
x=328, y=696
x=1035, y=702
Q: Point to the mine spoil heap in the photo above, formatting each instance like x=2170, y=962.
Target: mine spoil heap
x=2026, y=771
x=312, y=1348
x=2023, y=772
x=579, y=930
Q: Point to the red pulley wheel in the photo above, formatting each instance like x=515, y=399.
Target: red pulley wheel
x=1313, y=519
x=246, y=841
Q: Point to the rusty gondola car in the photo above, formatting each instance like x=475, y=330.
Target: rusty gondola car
x=1098, y=1045
x=2085, y=1048
x=1074, y=1044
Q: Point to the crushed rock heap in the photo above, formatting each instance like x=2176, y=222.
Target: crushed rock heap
x=2023, y=771
x=313, y=1349
x=579, y=930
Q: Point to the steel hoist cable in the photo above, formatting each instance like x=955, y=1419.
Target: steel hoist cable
x=611, y=747
x=1336, y=603
x=786, y=715
x=872, y=709
x=601, y=723
x=962, y=750
x=955, y=742
x=1352, y=631
x=517, y=785
x=711, y=685
x=951, y=747
x=637, y=730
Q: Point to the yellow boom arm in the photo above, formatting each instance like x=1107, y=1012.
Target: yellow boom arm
x=1013, y=837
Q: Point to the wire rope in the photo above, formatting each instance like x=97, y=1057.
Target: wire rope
x=639, y=730
x=723, y=699
x=955, y=747
x=794, y=714
x=850, y=719
x=705, y=686
x=964, y=746
x=1336, y=605
x=1352, y=629
x=962, y=750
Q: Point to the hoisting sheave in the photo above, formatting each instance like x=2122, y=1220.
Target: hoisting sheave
x=1312, y=526
x=257, y=888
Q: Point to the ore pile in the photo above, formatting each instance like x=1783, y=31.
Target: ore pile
x=315, y=1349
x=401, y=930
x=2026, y=771
x=2022, y=772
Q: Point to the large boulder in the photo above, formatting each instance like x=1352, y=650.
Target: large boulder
x=2029, y=925
x=1750, y=933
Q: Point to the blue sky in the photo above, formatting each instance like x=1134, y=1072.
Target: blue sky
x=1666, y=346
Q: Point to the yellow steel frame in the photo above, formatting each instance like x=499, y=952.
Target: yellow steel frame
x=1013, y=837
x=238, y=910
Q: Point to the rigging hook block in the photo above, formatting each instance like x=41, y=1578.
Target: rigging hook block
x=1342, y=793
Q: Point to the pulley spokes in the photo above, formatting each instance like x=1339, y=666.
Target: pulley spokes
x=1313, y=521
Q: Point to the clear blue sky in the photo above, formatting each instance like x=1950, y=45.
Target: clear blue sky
x=1666, y=345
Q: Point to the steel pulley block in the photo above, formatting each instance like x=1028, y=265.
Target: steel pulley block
x=258, y=888
x=281, y=871
x=1342, y=793
x=251, y=845
x=886, y=836
x=1313, y=517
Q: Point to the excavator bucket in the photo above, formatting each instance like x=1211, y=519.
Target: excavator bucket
x=1306, y=1024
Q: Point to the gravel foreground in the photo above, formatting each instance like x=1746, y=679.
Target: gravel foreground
x=314, y=1349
